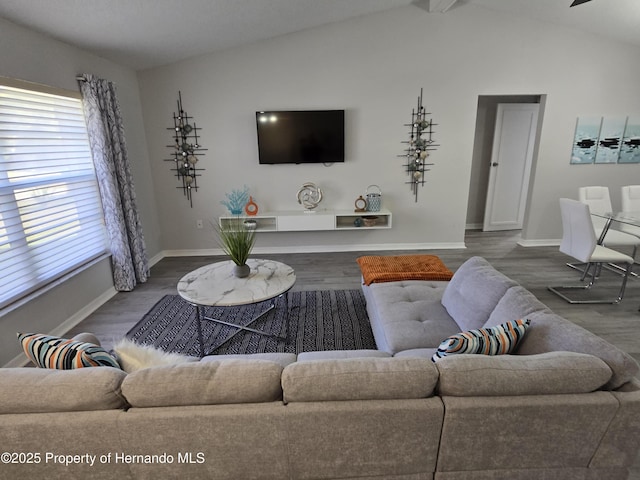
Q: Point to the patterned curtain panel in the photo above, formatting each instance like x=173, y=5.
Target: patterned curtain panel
x=106, y=136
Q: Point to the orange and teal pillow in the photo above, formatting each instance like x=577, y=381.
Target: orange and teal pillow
x=47, y=351
x=498, y=340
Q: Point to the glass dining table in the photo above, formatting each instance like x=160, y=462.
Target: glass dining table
x=631, y=219
x=625, y=218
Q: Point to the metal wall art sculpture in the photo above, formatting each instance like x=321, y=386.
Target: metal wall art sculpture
x=420, y=146
x=186, y=150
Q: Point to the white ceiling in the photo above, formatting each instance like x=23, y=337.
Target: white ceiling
x=148, y=33
x=616, y=19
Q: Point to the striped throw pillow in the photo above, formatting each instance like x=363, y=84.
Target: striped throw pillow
x=47, y=351
x=498, y=340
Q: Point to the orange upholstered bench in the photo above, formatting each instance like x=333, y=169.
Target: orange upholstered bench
x=392, y=268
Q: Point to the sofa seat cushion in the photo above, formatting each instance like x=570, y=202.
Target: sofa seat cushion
x=550, y=332
x=204, y=383
x=407, y=315
x=542, y=374
x=473, y=293
x=394, y=268
x=417, y=353
x=498, y=340
x=35, y=390
x=281, y=358
x=341, y=354
x=359, y=379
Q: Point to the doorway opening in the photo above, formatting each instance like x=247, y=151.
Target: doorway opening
x=507, y=132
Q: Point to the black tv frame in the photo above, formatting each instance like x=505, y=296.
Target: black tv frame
x=300, y=136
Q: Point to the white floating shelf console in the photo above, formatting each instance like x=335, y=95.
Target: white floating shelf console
x=316, y=220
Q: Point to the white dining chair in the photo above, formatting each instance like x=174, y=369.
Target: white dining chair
x=630, y=203
x=599, y=200
x=579, y=241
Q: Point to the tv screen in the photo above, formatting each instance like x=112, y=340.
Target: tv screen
x=311, y=136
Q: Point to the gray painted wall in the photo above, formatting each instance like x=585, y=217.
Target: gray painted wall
x=374, y=67
x=29, y=56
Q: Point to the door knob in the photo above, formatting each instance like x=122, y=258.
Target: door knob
x=494, y=164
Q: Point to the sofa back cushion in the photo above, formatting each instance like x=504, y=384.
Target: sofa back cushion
x=359, y=379
x=36, y=390
x=473, y=293
x=517, y=302
x=550, y=332
x=204, y=383
x=543, y=374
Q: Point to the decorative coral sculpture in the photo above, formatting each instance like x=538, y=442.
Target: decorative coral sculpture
x=236, y=200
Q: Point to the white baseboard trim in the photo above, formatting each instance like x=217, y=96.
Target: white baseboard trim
x=64, y=327
x=473, y=226
x=549, y=242
x=155, y=259
x=206, y=252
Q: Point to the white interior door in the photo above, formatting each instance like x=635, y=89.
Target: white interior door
x=511, y=157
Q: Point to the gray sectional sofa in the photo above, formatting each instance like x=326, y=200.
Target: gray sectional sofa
x=565, y=406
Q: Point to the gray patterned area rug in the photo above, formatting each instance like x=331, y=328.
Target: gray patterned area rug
x=318, y=320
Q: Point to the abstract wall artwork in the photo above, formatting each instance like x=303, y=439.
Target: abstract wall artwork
x=419, y=146
x=630, y=148
x=585, y=142
x=186, y=151
x=609, y=139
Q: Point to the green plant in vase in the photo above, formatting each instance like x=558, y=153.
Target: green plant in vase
x=236, y=240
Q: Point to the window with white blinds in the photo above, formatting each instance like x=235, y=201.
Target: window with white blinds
x=51, y=220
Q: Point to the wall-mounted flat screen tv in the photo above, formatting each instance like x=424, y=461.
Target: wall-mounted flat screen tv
x=309, y=136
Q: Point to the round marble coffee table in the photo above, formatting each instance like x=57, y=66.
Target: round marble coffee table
x=215, y=285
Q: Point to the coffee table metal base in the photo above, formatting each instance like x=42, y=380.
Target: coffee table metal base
x=201, y=317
